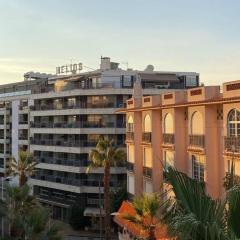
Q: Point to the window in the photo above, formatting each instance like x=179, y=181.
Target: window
x=130, y=124
x=130, y=183
x=147, y=157
x=147, y=124
x=147, y=186
x=168, y=123
x=198, y=168
x=168, y=159
x=127, y=81
x=197, y=124
x=130, y=153
x=234, y=123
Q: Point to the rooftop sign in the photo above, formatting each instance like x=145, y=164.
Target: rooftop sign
x=71, y=68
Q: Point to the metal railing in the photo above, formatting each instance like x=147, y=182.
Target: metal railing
x=147, y=137
x=63, y=161
x=197, y=140
x=147, y=171
x=130, y=136
x=232, y=144
x=67, y=143
x=168, y=138
x=43, y=107
x=72, y=125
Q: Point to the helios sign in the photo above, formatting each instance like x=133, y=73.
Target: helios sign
x=71, y=68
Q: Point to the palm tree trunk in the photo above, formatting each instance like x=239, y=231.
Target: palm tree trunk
x=22, y=180
x=107, y=219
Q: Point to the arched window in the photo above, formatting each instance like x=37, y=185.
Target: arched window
x=130, y=124
x=147, y=124
x=197, y=124
x=234, y=123
x=168, y=123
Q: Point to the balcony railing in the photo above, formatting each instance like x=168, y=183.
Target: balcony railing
x=72, y=125
x=129, y=136
x=147, y=172
x=197, y=141
x=64, y=106
x=130, y=166
x=147, y=137
x=63, y=161
x=68, y=143
x=168, y=138
x=232, y=144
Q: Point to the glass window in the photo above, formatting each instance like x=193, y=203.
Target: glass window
x=168, y=159
x=147, y=154
x=130, y=153
x=147, y=124
x=198, y=167
x=168, y=123
x=147, y=186
x=130, y=183
x=130, y=124
x=234, y=123
x=197, y=124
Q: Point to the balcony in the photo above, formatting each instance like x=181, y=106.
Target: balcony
x=147, y=172
x=197, y=141
x=64, y=161
x=147, y=137
x=67, y=143
x=72, y=125
x=168, y=138
x=232, y=144
x=65, y=106
x=129, y=136
x=130, y=166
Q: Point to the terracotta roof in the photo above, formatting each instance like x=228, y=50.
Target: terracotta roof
x=127, y=208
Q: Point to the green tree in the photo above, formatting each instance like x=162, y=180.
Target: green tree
x=27, y=218
x=193, y=215
x=23, y=168
x=147, y=210
x=106, y=155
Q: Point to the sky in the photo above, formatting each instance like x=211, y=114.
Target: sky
x=174, y=35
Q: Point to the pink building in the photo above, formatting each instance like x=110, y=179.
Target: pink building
x=196, y=130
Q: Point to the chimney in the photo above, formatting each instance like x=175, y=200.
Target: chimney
x=105, y=63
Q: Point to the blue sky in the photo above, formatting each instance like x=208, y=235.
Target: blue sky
x=181, y=35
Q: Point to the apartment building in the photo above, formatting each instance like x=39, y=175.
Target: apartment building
x=194, y=130
x=60, y=119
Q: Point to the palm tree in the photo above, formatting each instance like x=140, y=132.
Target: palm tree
x=24, y=167
x=147, y=214
x=193, y=215
x=28, y=219
x=106, y=155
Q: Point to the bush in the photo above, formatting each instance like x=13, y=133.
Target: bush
x=77, y=219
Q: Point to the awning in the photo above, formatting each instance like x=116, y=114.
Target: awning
x=127, y=208
x=93, y=212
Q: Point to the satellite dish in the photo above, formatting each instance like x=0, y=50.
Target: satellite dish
x=149, y=68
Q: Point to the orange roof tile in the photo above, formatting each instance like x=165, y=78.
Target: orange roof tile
x=127, y=208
